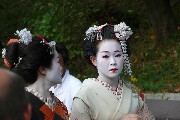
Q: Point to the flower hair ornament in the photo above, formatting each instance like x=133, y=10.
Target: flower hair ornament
x=122, y=33
x=25, y=37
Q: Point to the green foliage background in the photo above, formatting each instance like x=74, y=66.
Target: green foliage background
x=155, y=66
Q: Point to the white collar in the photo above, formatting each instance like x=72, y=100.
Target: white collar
x=65, y=75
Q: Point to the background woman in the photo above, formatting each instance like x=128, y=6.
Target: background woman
x=36, y=60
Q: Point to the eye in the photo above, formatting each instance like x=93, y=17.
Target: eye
x=118, y=55
x=105, y=56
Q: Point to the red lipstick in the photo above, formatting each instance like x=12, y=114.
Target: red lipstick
x=113, y=70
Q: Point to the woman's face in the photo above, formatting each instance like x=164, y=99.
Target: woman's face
x=109, y=59
x=55, y=72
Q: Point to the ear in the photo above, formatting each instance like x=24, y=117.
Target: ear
x=93, y=60
x=27, y=112
x=42, y=70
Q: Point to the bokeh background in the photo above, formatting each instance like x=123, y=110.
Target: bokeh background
x=154, y=45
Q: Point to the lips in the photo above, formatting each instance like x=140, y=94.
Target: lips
x=113, y=70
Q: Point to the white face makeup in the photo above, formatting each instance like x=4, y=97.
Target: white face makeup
x=109, y=59
x=55, y=72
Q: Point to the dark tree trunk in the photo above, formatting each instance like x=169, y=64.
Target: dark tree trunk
x=162, y=18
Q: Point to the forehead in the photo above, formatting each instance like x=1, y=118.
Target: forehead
x=109, y=45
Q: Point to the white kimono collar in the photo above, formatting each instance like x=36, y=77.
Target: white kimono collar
x=65, y=75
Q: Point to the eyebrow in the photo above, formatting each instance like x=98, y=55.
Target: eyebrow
x=117, y=51
x=108, y=51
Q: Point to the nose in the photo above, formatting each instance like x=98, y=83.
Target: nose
x=112, y=61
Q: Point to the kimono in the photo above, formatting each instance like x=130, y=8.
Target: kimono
x=97, y=101
x=41, y=111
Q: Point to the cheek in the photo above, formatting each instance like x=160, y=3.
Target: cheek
x=55, y=73
x=120, y=63
x=56, y=68
x=102, y=64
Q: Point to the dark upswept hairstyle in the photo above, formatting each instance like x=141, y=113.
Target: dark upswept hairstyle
x=90, y=46
x=14, y=101
x=90, y=43
x=61, y=49
x=34, y=55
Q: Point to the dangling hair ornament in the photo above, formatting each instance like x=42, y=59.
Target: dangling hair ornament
x=121, y=31
x=45, y=41
x=24, y=35
x=52, y=46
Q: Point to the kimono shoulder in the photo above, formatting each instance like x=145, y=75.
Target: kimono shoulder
x=103, y=104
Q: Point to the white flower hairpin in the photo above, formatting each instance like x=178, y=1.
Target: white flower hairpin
x=24, y=35
x=122, y=31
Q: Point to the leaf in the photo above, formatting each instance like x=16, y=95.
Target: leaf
x=137, y=36
x=130, y=11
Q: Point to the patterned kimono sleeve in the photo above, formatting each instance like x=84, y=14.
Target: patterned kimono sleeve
x=144, y=110
x=80, y=110
x=145, y=113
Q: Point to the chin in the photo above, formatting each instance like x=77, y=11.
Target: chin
x=57, y=81
x=113, y=76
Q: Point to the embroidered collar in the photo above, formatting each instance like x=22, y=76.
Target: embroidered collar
x=50, y=101
x=117, y=92
x=53, y=103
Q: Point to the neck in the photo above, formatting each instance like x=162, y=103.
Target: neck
x=113, y=82
x=41, y=86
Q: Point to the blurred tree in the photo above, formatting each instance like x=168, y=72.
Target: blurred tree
x=162, y=18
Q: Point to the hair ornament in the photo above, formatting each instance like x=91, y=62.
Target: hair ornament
x=93, y=32
x=25, y=38
x=3, y=52
x=52, y=46
x=24, y=35
x=122, y=31
x=19, y=60
x=45, y=41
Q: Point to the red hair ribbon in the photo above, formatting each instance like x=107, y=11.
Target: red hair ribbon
x=42, y=38
x=12, y=40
